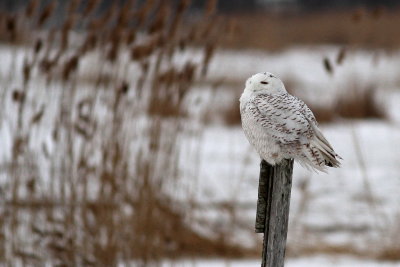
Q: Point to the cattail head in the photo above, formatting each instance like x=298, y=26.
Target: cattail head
x=90, y=43
x=36, y=118
x=182, y=43
x=26, y=71
x=31, y=8
x=123, y=88
x=90, y=7
x=140, y=52
x=160, y=20
x=18, y=96
x=69, y=67
x=46, y=13
x=45, y=65
x=11, y=27
x=208, y=52
x=328, y=66
x=341, y=56
x=130, y=36
x=112, y=53
x=31, y=185
x=188, y=72
x=144, y=65
x=38, y=46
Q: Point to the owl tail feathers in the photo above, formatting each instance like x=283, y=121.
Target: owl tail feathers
x=313, y=158
x=329, y=156
x=319, y=154
x=308, y=164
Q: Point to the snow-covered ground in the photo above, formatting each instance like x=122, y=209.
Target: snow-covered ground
x=347, y=207
x=355, y=208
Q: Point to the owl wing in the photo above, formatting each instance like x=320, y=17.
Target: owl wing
x=304, y=109
x=286, y=118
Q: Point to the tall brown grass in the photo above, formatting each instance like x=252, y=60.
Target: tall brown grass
x=97, y=190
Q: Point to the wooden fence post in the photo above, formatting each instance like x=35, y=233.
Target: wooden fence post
x=272, y=216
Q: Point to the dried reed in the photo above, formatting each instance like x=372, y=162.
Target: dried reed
x=46, y=13
x=328, y=66
x=107, y=200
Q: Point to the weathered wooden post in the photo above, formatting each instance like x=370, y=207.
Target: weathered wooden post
x=275, y=184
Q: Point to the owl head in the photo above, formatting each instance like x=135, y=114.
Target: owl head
x=265, y=83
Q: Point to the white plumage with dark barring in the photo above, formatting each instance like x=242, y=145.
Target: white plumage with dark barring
x=279, y=125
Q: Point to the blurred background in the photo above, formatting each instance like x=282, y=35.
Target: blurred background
x=121, y=141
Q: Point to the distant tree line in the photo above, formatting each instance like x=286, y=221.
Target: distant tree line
x=228, y=6
x=341, y=4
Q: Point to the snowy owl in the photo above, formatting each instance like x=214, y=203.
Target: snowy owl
x=281, y=126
